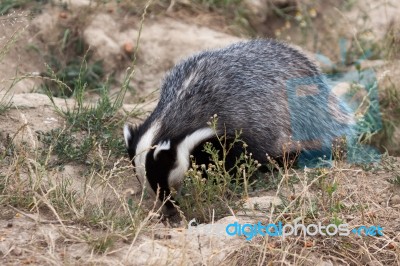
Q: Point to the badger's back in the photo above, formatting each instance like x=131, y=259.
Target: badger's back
x=252, y=86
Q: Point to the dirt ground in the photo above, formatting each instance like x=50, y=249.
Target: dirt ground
x=38, y=238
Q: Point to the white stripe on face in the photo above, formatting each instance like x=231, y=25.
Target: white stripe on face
x=127, y=135
x=183, y=152
x=142, y=149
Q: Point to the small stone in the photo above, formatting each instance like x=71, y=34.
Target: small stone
x=63, y=15
x=128, y=47
x=17, y=251
x=395, y=199
x=308, y=244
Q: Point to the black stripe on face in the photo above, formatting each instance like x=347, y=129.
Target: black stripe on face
x=157, y=172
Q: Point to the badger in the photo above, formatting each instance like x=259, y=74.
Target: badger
x=269, y=90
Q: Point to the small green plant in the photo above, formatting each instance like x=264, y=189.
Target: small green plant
x=101, y=244
x=395, y=180
x=390, y=107
x=213, y=188
x=6, y=6
x=328, y=188
x=363, y=46
x=69, y=65
x=5, y=102
x=298, y=16
x=92, y=75
x=233, y=11
x=217, y=4
x=88, y=126
x=392, y=46
x=391, y=165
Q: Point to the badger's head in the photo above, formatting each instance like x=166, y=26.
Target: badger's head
x=161, y=164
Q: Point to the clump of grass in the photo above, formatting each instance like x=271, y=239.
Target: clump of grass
x=101, y=244
x=375, y=124
x=217, y=4
x=5, y=102
x=70, y=65
x=76, y=142
x=232, y=12
x=92, y=75
x=391, y=165
x=7, y=5
x=295, y=15
x=392, y=50
x=363, y=47
x=390, y=106
x=213, y=191
x=89, y=127
x=395, y=180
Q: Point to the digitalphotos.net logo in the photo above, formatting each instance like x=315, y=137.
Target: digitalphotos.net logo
x=249, y=231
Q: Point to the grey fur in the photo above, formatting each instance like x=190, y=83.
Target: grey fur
x=245, y=84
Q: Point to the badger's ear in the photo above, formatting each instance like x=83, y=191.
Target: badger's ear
x=162, y=146
x=129, y=132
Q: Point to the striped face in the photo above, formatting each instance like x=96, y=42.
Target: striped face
x=162, y=165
